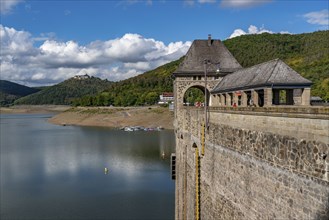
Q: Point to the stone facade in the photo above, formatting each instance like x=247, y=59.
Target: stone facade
x=250, y=154
x=259, y=163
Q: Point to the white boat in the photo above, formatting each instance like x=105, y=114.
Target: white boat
x=128, y=129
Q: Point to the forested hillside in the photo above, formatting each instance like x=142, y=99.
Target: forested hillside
x=64, y=93
x=308, y=54
x=143, y=89
x=10, y=91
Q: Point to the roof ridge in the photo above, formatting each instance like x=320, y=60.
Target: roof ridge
x=270, y=75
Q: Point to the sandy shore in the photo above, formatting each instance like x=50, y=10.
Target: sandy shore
x=116, y=117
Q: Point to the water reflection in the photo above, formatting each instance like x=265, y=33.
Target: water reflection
x=56, y=171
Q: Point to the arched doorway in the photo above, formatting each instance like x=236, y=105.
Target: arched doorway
x=194, y=96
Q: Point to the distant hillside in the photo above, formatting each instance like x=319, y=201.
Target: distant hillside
x=136, y=91
x=10, y=91
x=308, y=54
x=64, y=93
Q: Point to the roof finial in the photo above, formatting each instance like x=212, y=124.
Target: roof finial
x=209, y=40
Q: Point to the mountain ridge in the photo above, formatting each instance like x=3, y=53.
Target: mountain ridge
x=10, y=91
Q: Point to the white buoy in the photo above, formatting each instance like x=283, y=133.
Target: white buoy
x=106, y=170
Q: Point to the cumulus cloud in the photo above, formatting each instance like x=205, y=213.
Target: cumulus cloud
x=253, y=30
x=318, y=17
x=54, y=61
x=7, y=5
x=242, y=3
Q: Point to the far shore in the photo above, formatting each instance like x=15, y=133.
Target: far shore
x=33, y=109
x=114, y=117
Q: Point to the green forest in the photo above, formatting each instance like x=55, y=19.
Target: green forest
x=65, y=92
x=308, y=54
x=9, y=92
x=140, y=90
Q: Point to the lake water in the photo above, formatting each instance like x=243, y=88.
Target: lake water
x=57, y=172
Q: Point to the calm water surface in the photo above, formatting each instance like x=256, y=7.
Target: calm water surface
x=57, y=172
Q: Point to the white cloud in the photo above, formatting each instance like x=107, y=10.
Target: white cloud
x=54, y=61
x=242, y=3
x=7, y=5
x=237, y=32
x=13, y=41
x=318, y=17
x=253, y=30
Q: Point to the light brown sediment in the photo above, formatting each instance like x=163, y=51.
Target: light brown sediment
x=116, y=117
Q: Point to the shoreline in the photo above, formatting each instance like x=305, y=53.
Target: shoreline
x=34, y=109
x=112, y=117
x=115, y=117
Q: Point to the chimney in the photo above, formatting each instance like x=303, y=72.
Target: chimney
x=209, y=40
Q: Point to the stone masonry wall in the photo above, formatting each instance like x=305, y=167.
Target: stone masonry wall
x=251, y=168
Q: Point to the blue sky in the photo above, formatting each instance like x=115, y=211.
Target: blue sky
x=46, y=42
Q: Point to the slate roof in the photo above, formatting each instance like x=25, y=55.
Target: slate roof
x=213, y=50
x=274, y=73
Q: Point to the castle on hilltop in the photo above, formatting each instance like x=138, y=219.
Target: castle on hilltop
x=79, y=77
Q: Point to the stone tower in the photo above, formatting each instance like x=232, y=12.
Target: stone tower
x=205, y=64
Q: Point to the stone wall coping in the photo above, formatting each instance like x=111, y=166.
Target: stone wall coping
x=290, y=112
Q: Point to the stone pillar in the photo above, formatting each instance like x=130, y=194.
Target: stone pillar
x=222, y=100
x=228, y=99
x=297, y=96
x=235, y=98
x=306, y=96
x=244, y=99
x=289, y=97
x=219, y=98
x=214, y=100
x=276, y=96
x=254, y=96
x=268, y=97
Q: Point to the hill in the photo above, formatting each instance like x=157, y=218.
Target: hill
x=136, y=91
x=307, y=53
x=65, y=92
x=10, y=91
